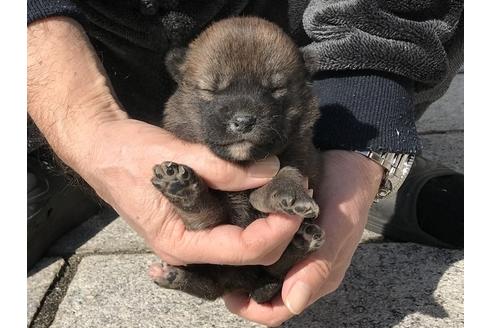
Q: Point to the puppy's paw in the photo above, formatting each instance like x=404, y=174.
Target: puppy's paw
x=309, y=237
x=266, y=292
x=296, y=203
x=167, y=276
x=176, y=182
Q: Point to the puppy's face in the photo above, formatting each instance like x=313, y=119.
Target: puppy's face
x=243, y=84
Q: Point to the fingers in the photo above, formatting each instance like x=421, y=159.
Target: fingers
x=227, y=176
x=271, y=314
x=262, y=242
x=305, y=283
x=309, y=280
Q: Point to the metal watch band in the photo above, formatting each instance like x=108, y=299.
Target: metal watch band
x=397, y=167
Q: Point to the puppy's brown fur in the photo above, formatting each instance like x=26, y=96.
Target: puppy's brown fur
x=243, y=91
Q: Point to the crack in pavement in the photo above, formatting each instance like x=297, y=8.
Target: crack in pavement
x=45, y=314
x=48, y=307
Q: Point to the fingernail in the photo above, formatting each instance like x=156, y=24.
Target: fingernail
x=265, y=168
x=298, y=297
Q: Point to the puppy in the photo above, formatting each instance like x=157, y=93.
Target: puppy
x=243, y=91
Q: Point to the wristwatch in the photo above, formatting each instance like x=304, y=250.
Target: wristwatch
x=396, y=169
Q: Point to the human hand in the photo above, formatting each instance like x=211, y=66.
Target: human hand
x=71, y=101
x=346, y=191
x=119, y=168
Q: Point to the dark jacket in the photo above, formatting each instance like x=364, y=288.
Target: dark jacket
x=377, y=64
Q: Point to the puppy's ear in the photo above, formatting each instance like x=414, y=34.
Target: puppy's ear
x=311, y=61
x=175, y=59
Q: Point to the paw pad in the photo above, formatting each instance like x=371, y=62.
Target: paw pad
x=175, y=181
x=299, y=204
x=165, y=275
x=310, y=236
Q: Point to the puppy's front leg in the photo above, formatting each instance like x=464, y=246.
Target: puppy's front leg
x=285, y=193
x=197, y=205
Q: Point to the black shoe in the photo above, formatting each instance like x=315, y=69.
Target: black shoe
x=428, y=208
x=53, y=207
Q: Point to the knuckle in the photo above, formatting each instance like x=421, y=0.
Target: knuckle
x=333, y=279
x=271, y=258
x=232, y=309
x=162, y=253
x=222, y=174
x=323, y=269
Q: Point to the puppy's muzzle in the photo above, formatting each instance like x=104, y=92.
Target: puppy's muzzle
x=241, y=123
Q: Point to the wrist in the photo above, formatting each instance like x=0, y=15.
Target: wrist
x=78, y=139
x=346, y=191
x=74, y=128
x=355, y=170
x=69, y=96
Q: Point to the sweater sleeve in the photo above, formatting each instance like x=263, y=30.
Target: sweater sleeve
x=374, y=62
x=39, y=9
x=365, y=110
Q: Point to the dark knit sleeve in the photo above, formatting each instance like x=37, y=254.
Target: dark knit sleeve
x=39, y=9
x=366, y=110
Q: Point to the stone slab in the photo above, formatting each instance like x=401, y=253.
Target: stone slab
x=394, y=285
x=103, y=233
x=39, y=279
x=447, y=113
x=387, y=285
x=114, y=291
x=445, y=148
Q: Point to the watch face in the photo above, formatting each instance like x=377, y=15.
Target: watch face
x=397, y=167
x=385, y=189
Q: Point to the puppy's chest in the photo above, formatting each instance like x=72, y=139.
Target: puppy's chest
x=240, y=210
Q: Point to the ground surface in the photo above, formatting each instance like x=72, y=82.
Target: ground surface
x=95, y=276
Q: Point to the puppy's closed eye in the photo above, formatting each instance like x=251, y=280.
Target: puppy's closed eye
x=278, y=92
x=211, y=88
x=207, y=89
x=206, y=92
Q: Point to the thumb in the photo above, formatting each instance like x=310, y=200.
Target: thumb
x=308, y=281
x=227, y=176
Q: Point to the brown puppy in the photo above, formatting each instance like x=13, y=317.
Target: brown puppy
x=243, y=91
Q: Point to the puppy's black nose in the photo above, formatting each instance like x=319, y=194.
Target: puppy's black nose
x=242, y=123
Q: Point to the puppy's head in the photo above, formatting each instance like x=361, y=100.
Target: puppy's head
x=242, y=86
